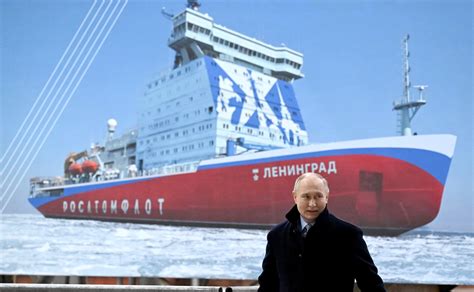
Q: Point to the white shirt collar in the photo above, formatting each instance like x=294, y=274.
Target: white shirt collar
x=304, y=223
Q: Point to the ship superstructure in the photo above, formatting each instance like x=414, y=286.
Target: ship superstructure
x=224, y=86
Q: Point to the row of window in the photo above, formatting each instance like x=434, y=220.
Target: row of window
x=195, y=28
x=250, y=131
x=120, y=153
x=184, y=148
x=167, y=105
x=175, y=73
x=254, y=53
x=197, y=112
x=177, y=134
x=181, y=29
x=256, y=132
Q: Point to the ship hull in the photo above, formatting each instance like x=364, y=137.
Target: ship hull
x=385, y=186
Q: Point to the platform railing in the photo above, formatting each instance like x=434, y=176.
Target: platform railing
x=9, y=287
x=49, y=283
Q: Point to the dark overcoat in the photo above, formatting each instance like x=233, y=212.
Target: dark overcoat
x=331, y=256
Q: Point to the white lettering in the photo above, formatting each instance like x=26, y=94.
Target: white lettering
x=300, y=169
x=104, y=207
x=332, y=167
x=291, y=170
x=89, y=209
x=96, y=206
x=266, y=172
x=136, y=208
x=255, y=174
x=160, y=202
x=113, y=207
x=64, y=206
x=322, y=167
x=282, y=171
x=125, y=206
x=72, y=206
x=80, y=207
x=274, y=171
x=148, y=206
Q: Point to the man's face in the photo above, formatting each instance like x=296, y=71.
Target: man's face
x=310, y=197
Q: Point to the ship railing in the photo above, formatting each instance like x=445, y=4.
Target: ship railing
x=170, y=169
x=45, y=182
x=39, y=183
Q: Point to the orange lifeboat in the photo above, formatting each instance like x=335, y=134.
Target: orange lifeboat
x=90, y=166
x=75, y=169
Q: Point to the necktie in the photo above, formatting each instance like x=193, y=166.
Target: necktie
x=305, y=230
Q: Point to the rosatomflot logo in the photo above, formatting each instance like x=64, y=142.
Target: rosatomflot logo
x=255, y=174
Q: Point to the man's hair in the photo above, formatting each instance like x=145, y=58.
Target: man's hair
x=305, y=175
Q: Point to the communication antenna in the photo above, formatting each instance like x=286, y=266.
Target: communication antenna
x=193, y=4
x=407, y=108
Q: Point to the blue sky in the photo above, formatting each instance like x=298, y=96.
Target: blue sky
x=352, y=66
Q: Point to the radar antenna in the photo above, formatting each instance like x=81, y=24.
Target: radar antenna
x=406, y=107
x=193, y=4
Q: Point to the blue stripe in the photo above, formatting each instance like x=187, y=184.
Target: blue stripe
x=93, y=187
x=434, y=163
x=37, y=202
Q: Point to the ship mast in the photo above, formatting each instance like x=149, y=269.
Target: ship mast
x=406, y=108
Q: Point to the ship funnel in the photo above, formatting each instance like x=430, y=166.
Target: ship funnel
x=111, y=126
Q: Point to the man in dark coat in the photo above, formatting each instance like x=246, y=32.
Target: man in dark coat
x=315, y=251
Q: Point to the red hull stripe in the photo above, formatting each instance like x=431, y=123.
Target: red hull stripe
x=368, y=190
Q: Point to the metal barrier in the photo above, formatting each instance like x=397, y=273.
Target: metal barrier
x=158, y=288
x=49, y=283
x=102, y=288
x=108, y=288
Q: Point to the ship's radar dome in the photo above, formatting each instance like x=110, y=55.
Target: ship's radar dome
x=111, y=125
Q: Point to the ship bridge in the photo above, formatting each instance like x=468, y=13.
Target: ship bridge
x=195, y=34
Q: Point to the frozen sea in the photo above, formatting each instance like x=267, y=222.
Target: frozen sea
x=34, y=245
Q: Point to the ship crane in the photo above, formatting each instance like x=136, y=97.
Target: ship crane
x=406, y=107
x=71, y=159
